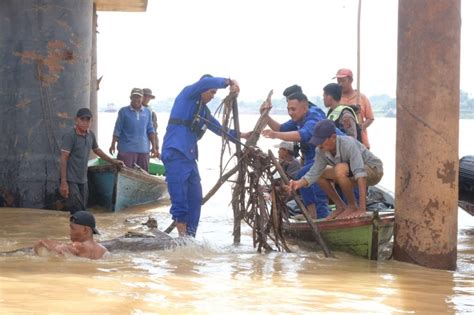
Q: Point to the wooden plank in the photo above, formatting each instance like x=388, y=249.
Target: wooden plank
x=121, y=5
x=314, y=228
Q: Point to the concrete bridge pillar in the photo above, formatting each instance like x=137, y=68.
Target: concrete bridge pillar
x=427, y=132
x=45, y=72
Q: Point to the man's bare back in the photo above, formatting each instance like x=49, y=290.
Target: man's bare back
x=81, y=231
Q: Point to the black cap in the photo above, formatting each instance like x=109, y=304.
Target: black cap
x=84, y=218
x=299, y=96
x=84, y=112
x=292, y=89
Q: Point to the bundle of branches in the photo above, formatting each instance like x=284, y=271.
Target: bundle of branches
x=225, y=110
x=253, y=194
x=259, y=204
x=254, y=197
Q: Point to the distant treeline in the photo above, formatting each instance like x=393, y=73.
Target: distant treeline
x=382, y=105
x=386, y=106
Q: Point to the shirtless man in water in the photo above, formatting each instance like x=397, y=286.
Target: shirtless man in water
x=345, y=161
x=82, y=228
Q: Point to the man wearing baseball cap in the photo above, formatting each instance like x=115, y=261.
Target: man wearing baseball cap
x=133, y=132
x=286, y=156
x=147, y=97
x=76, y=146
x=345, y=161
x=352, y=97
x=81, y=230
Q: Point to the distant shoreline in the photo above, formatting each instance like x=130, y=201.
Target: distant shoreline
x=382, y=105
x=278, y=111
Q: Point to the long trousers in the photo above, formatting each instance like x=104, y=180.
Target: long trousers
x=184, y=187
x=314, y=194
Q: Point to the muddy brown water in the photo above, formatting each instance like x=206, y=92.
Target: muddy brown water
x=211, y=275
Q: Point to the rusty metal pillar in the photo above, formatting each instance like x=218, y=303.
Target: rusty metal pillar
x=45, y=55
x=427, y=132
x=94, y=83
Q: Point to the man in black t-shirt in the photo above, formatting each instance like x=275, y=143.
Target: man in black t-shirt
x=75, y=149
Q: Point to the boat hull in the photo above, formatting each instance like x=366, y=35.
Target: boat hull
x=466, y=184
x=155, y=166
x=366, y=236
x=115, y=189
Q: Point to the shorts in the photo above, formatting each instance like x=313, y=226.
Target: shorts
x=373, y=176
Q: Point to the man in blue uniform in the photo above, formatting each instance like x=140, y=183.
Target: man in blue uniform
x=300, y=129
x=189, y=119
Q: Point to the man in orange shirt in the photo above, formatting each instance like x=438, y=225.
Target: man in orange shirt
x=353, y=97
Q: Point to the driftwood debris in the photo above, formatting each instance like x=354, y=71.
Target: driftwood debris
x=254, y=196
x=238, y=200
x=261, y=123
x=257, y=202
x=251, y=141
x=229, y=110
x=300, y=203
x=254, y=199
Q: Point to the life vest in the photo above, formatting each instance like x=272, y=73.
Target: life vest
x=198, y=124
x=336, y=115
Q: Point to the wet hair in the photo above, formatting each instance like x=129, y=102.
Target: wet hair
x=297, y=96
x=292, y=89
x=334, y=90
x=205, y=76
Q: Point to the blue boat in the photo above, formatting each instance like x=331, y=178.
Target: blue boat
x=115, y=189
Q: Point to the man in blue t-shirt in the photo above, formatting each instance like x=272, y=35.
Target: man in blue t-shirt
x=134, y=131
x=300, y=129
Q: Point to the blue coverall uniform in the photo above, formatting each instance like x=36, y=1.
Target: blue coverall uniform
x=180, y=151
x=305, y=127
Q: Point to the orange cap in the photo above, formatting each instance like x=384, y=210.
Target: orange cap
x=342, y=73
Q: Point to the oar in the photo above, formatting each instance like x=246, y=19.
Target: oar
x=305, y=211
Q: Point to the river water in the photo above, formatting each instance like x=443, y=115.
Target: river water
x=213, y=276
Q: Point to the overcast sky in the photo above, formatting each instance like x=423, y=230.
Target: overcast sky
x=264, y=44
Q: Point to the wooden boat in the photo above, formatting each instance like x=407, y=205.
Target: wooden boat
x=155, y=166
x=466, y=184
x=466, y=206
x=115, y=189
x=366, y=236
